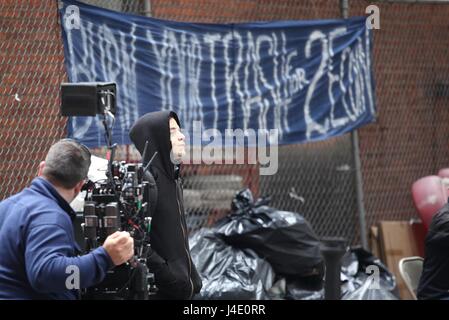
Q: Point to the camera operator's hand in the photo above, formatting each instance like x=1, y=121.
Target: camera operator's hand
x=120, y=247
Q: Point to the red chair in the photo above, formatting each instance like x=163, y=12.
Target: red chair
x=429, y=195
x=444, y=173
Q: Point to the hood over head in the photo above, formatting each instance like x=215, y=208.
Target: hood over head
x=154, y=127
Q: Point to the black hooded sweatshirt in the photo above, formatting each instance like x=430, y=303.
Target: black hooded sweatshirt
x=434, y=281
x=175, y=274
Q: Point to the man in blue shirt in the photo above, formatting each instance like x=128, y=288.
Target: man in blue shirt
x=39, y=258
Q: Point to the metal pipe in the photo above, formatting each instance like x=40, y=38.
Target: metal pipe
x=344, y=9
x=147, y=8
x=359, y=187
x=332, y=250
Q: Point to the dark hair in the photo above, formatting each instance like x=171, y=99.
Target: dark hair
x=67, y=163
x=175, y=116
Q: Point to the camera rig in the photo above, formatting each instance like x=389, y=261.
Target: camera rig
x=124, y=201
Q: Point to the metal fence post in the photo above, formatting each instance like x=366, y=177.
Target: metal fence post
x=147, y=8
x=344, y=8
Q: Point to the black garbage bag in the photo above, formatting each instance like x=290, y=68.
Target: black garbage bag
x=365, y=277
x=297, y=289
x=308, y=288
x=285, y=239
x=227, y=272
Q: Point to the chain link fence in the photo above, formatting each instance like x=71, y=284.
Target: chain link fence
x=31, y=70
x=408, y=140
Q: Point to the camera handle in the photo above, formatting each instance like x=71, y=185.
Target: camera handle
x=106, y=102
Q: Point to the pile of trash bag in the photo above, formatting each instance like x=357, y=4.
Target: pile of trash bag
x=363, y=277
x=258, y=252
x=227, y=272
x=285, y=239
x=243, y=254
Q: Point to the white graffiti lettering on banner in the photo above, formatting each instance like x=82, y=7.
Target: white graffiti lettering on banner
x=355, y=65
x=180, y=56
x=244, y=79
x=117, y=63
x=258, y=76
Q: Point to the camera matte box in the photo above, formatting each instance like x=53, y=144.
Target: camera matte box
x=84, y=98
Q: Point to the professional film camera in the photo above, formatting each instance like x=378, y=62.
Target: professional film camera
x=124, y=201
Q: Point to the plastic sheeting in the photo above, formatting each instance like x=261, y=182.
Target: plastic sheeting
x=365, y=277
x=238, y=258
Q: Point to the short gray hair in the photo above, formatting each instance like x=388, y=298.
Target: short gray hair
x=67, y=163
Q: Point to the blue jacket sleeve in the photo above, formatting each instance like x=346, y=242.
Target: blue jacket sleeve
x=50, y=262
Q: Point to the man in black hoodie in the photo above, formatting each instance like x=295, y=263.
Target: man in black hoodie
x=175, y=274
x=434, y=281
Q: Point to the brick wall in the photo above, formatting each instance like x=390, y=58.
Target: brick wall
x=410, y=138
x=31, y=70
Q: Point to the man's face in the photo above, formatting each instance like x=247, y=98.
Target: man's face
x=177, y=141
